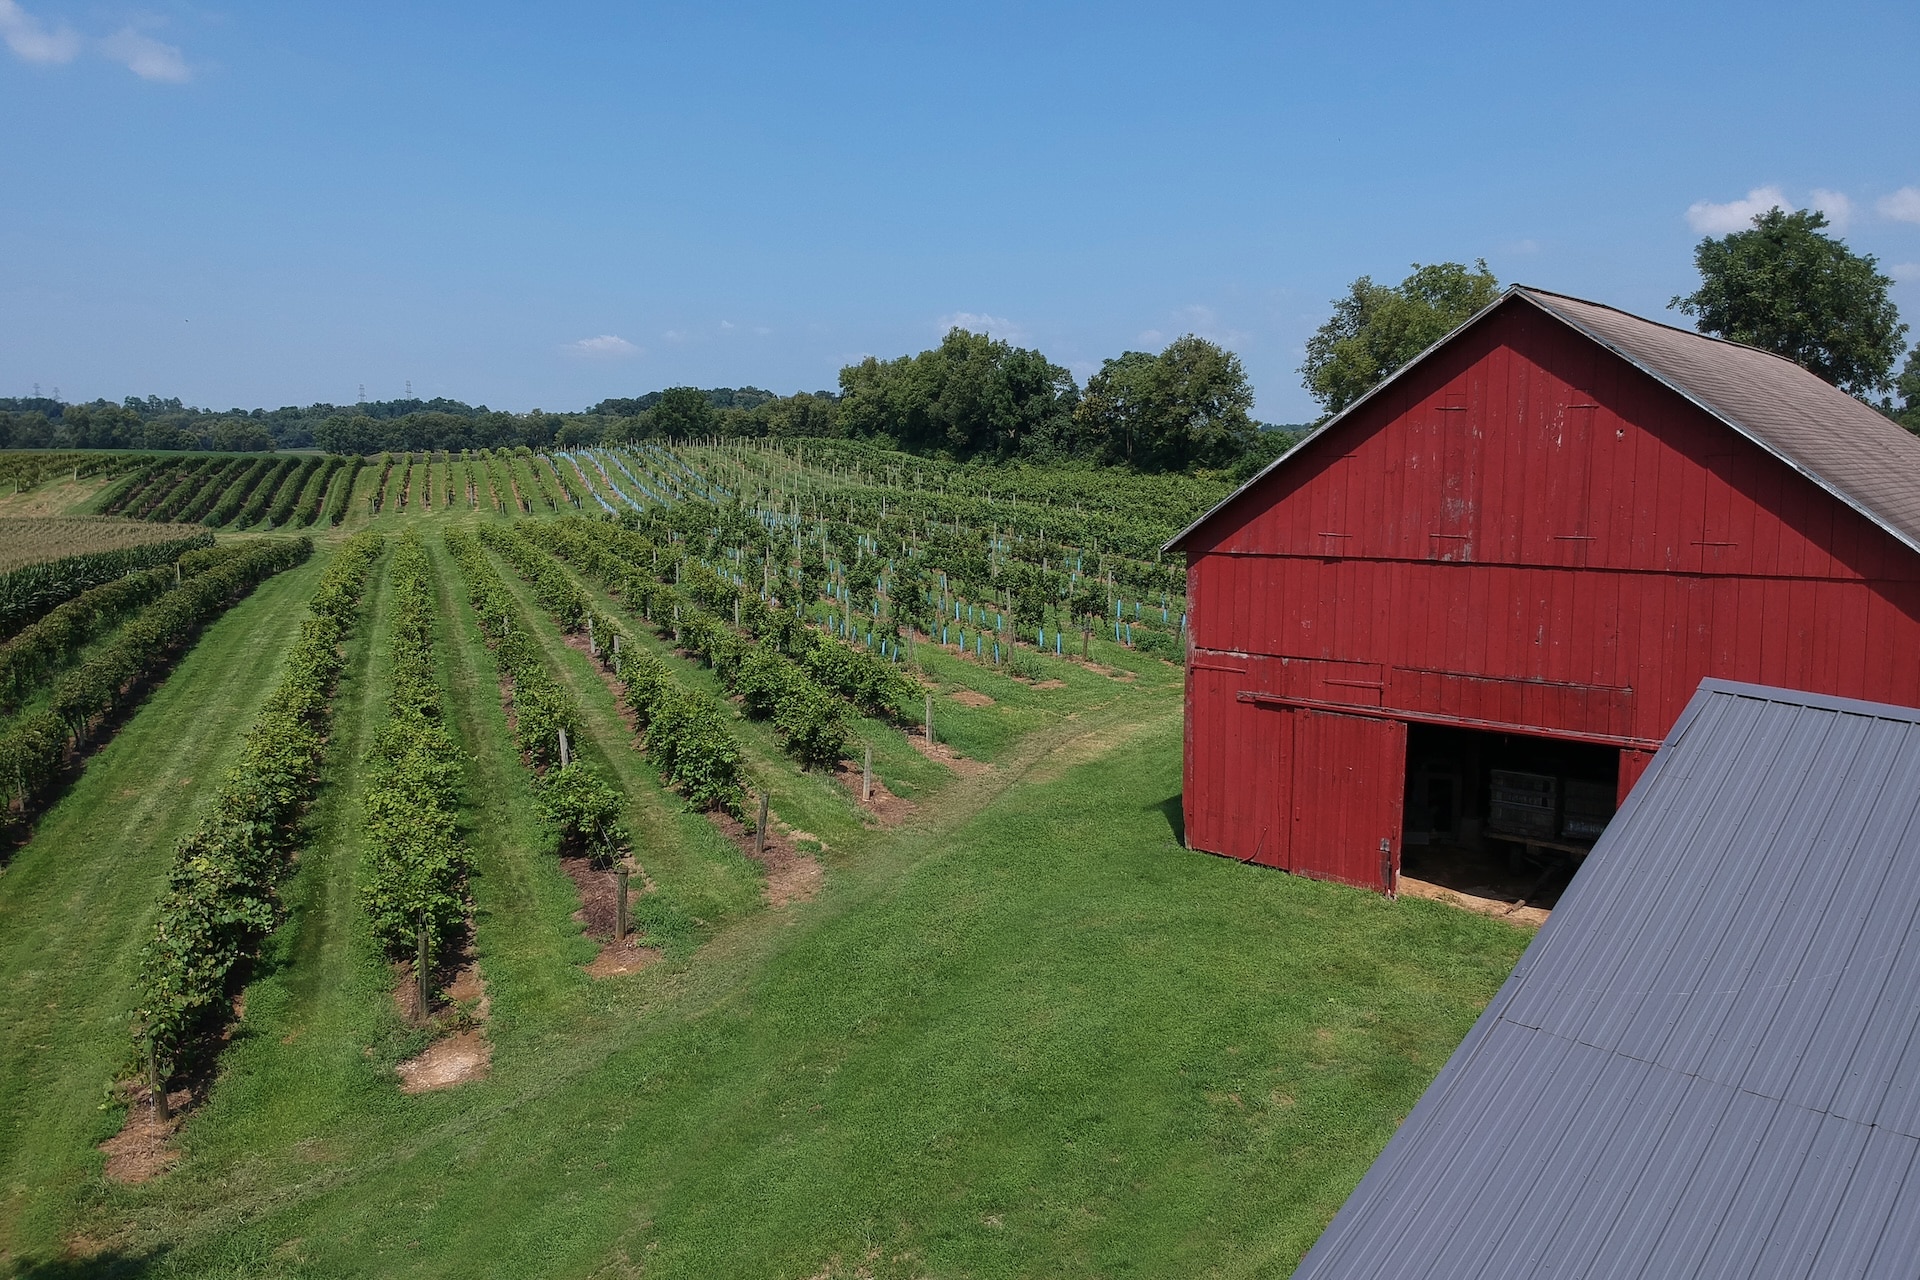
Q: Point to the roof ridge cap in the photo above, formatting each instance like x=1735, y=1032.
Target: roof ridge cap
x=1671, y=328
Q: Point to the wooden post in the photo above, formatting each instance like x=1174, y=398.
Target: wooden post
x=420, y=968
x=760, y=829
x=866, y=777
x=566, y=757
x=156, y=1086
x=929, y=719
x=593, y=646
x=620, y=910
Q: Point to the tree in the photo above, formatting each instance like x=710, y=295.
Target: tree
x=1784, y=286
x=682, y=413
x=1908, y=385
x=1186, y=407
x=1376, y=329
x=800, y=414
x=971, y=396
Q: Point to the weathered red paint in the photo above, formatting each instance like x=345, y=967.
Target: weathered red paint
x=1524, y=532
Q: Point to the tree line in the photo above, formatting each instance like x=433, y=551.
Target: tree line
x=1783, y=284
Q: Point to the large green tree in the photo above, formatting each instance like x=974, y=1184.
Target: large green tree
x=1787, y=286
x=971, y=396
x=1185, y=407
x=682, y=413
x=1378, y=328
x=1907, y=384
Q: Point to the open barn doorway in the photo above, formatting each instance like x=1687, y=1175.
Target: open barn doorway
x=1502, y=817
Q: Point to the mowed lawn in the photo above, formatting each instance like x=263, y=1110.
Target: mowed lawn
x=1026, y=1035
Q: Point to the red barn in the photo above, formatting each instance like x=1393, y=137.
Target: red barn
x=1511, y=564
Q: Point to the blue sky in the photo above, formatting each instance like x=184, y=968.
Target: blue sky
x=541, y=205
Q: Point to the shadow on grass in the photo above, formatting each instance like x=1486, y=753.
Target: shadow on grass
x=112, y=1265
x=1174, y=811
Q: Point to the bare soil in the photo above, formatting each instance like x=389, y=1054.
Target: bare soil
x=793, y=875
x=1051, y=684
x=1482, y=881
x=946, y=755
x=461, y=1004
x=448, y=1061
x=143, y=1149
x=890, y=809
x=618, y=958
x=973, y=698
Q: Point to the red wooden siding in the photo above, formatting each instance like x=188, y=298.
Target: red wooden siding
x=1524, y=532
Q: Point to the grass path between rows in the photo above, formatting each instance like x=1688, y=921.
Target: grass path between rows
x=1029, y=1035
x=77, y=904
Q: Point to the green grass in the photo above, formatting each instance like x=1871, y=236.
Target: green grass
x=1025, y=1034
x=76, y=906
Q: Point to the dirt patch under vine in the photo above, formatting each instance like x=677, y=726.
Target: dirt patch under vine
x=618, y=958
x=944, y=754
x=143, y=1149
x=793, y=875
x=448, y=1061
x=462, y=1006
x=891, y=810
x=972, y=698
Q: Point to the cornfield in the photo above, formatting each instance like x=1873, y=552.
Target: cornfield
x=32, y=539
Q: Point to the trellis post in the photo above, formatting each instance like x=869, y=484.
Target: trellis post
x=420, y=967
x=620, y=910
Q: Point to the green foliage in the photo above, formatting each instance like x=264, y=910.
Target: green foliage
x=1186, y=407
x=583, y=811
x=33, y=750
x=541, y=706
x=972, y=396
x=1030, y=596
x=1908, y=385
x=1376, y=328
x=220, y=902
x=813, y=724
x=1784, y=286
x=55, y=639
x=342, y=492
x=687, y=737
x=417, y=866
x=31, y=590
x=682, y=413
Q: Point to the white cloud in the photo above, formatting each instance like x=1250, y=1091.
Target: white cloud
x=1835, y=204
x=1711, y=219
x=675, y=335
x=726, y=324
x=605, y=347
x=1522, y=246
x=32, y=41
x=1902, y=206
x=1150, y=338
x=978, y=322
x=1905, y=271
x=1204, y=322
x=146, y=57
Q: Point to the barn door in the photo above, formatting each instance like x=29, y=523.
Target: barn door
x=1349, y=780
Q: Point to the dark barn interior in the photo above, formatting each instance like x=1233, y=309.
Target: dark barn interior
x=1503, y=815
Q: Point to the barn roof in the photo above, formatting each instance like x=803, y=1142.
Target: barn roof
x=1707, y=1062
x=1856, y=454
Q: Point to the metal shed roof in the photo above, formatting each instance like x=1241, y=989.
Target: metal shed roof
x=1708, y=1062
x=1858, y=455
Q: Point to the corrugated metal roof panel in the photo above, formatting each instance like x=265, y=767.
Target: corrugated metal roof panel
x=1708, y=1062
